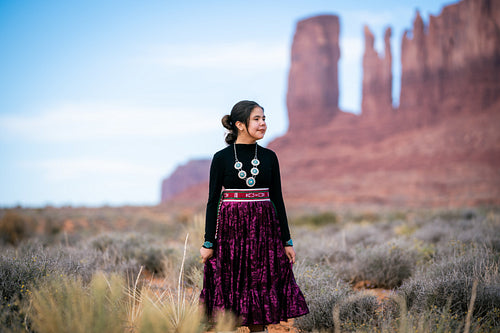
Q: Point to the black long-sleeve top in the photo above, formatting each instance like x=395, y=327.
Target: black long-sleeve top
x=223, y=174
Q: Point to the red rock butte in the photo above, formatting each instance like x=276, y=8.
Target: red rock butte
x=439, y=148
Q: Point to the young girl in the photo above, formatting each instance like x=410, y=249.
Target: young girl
x=248, y=252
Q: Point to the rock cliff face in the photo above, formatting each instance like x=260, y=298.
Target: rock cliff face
x=456, y=58
x=313, y=90
x=440, y=148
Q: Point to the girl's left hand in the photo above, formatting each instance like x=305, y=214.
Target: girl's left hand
x=290, y=253
x=206, y=254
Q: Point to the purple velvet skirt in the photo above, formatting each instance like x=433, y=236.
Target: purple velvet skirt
x=249, y=274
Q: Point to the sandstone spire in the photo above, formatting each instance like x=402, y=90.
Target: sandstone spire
x=377, y=77
x=313, y=91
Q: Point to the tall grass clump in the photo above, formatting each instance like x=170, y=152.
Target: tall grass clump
x=165, y=313
x=173, y=309
x=66, y=304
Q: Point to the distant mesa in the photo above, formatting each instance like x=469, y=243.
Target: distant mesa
x=439, y=148
x=185, y=176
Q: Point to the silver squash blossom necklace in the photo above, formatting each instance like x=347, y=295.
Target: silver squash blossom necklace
x=242, y=173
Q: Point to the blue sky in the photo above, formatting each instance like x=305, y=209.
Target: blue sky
x=100, y=100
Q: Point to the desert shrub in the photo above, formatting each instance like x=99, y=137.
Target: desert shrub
x=456, y=214
x=357, y=311
x=321, y=246
x=152, y=257
x=397, y=215
x=17, y=276
x=481, y=230
x=332, y=245
x=319, y=219
x=142, y=249
x=404, y=229
x=384, y=266
x=367, y=234
x=322, y=290
x=431, y=320
x=25, y=267
x=449, y=279
x=66, y=304
x=466, y=227
x=364, y=217
x=436, y=232
x=30, y=262
x=53, y=226
x=15, y=227
x=18, y=273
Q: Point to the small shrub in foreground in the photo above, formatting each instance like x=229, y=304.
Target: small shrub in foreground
x=384, y=266
x=356, y=311
x=322, y=290
x=18, y=274
x=428, y=321
x=449, y=279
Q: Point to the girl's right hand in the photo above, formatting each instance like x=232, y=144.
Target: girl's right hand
x=206, y=254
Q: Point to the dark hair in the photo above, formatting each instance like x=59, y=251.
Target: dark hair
x=241, y=112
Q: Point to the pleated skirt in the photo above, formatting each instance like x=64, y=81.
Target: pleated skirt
x=249, y=274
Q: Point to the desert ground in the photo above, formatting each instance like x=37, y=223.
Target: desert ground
x=138, y=269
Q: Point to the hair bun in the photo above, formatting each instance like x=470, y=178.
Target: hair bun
x=226, y=122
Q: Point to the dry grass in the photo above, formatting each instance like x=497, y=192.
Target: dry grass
x=65, y=304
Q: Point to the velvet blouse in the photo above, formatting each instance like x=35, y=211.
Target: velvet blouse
x=224, y=175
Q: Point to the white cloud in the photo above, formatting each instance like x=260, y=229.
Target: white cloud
x=243, y=55
x=90, y=122
x=78, y=168
x=374, y=19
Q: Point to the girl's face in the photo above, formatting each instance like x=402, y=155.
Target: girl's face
x=256, y=128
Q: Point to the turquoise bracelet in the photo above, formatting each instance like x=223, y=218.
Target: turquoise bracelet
x=289, y=242
x=208, y=245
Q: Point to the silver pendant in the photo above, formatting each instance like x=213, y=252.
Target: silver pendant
x=250, y=181
x=242, y=174
x=254, y=171
x=238, y=165
x=255, y=162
